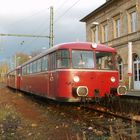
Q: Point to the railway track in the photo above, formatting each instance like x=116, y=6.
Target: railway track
x=100, y=120
x=111, y=124
x=124, y=120
x=93, y=119
x=96, y=120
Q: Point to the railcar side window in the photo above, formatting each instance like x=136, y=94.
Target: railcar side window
x=82, y=59
x=34, y=67
x=24, y=70
x=28, y=69
x=52, y=64
x=18, y=72
x=63, y=59
x=105, y=60
x=39, y=65
x=45, y=63
x=31, y=67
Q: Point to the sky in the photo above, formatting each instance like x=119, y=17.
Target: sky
x=32, y=17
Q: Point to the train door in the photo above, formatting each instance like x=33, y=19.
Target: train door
x=52, y=77
x=45, y=76
x=52, y=85
x=18, y=74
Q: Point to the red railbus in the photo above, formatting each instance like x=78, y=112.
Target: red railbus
x=13, y=78
x=71, y=71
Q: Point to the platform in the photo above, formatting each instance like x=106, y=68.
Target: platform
x=133, y=93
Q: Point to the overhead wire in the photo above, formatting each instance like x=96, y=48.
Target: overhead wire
x=24, y=18
x=66, y=11
x=55, y=11
x=62, y=15
x=61, y=5
x=47, y=18
x=36, y=13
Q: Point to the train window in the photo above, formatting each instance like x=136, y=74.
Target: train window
x=18, y=72
x=24, y=70
x=52, y=61
x=34, y=67
x=38, y=65
x=82, y=59
x=104, y=60
x=31, y=67
x=63, y=59
x=28, y=69
x=45, y=63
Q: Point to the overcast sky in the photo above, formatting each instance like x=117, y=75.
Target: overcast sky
x=32, y=17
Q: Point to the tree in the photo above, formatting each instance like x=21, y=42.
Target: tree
x=3, y=71
x=20, y=58
x=35, y=53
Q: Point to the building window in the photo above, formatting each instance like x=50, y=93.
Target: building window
x=136, y=67
x=133, y=19
x=120, y=68
x=105, y=33
x=95, y=34
x=117, y=28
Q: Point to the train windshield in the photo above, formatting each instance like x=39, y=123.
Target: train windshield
x=82, y=59
x=105, y=60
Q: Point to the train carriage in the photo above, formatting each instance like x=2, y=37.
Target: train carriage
x=13, y=78
x=71, y=71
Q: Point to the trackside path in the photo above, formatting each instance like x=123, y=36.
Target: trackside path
x=23, y=118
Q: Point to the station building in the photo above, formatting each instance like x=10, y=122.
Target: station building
x=115, y=23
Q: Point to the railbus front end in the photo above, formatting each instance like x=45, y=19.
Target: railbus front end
x=87, y=73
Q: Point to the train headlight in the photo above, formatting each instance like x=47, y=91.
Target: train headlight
x=112, y=79
x=76, y=79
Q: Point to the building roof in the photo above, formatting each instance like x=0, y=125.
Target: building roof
x=108, y=2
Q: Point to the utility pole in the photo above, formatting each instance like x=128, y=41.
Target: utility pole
x=51, y=36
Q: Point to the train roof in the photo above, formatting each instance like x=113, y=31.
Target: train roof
x=81, y=45
x=74, y=45
x=18, y=67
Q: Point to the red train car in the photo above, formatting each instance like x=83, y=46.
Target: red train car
x=13, y=78
x=70, y=71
